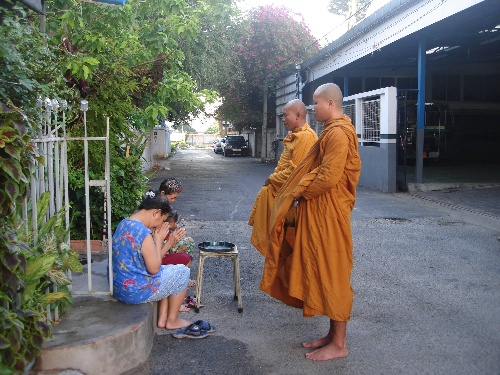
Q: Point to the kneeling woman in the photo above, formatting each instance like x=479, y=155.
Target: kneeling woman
x=138, y=249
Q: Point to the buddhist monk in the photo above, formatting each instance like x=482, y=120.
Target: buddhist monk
x=311, y=270
x=296, y=145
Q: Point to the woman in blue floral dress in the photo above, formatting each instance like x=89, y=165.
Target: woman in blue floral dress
x=138, y=248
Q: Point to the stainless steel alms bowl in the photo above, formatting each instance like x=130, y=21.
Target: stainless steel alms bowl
x=216, y=246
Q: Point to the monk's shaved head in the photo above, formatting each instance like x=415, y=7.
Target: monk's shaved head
x=296, y=106
x=330, y=91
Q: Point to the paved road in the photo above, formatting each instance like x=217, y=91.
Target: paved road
x=426, y=278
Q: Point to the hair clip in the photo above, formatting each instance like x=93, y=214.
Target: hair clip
x=150, y=194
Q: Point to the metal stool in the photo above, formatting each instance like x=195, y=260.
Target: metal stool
x=233, y=254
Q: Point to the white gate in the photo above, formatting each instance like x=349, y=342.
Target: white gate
x=52, y=174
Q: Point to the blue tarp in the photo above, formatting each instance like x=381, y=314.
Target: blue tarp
x=113, y=2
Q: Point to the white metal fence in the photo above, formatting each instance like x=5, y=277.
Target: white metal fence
x=51, y=176
x=371, y=113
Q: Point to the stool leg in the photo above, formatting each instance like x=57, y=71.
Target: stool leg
x=199, y=280
x=235, y=279
x=237, y=283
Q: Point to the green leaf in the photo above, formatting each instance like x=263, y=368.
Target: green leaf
x=4, y=343
x=12, y=191
x=13, y=168
x=42, y=205
x=86, y=71
x=5, y=297
x=91, y=61
x=38, y=266
x=46, y=299
x=7, y=134
x=10, y=260
x=15, y=152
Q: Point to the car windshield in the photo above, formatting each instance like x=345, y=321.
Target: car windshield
x=235, y=139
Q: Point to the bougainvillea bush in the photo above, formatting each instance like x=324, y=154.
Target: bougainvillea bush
x=272, y=41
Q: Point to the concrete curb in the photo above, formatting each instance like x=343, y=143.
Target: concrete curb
x=99, y=336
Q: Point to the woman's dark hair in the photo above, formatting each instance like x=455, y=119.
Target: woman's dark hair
x=174, y=215
x=153, y=200
x=170, y=186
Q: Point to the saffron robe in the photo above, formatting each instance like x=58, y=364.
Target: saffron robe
x=311, y=269
x=296, y=145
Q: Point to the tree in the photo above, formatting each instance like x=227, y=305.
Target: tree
x=131, y=61
x=352, y=10
x=270, y=40
x=213, y=128
x=206, y=57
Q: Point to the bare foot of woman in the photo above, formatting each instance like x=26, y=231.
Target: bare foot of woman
x=178, y=323
x=317, y=343
x=327, y=352
x=184, y=309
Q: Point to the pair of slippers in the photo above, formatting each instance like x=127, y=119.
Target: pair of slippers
x=197, y=330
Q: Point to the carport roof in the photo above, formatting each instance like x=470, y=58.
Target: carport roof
x=469, y=36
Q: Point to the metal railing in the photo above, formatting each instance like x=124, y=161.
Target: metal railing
x=51, y=175
x=370, y=127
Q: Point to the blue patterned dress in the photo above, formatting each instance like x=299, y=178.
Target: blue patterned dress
x=132, y=283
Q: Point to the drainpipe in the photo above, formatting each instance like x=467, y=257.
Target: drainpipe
x=299, y=84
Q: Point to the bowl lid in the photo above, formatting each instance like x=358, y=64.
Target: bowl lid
x=216, y=246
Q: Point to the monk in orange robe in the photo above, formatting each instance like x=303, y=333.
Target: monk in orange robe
x=312, y=269
x=296, y=145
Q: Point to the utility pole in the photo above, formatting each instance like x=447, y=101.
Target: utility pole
x=263, y=151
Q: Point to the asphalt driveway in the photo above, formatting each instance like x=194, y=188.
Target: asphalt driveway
x=426, y=278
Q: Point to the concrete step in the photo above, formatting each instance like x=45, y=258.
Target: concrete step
x=100, y=335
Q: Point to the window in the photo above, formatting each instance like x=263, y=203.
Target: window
x=474, y=88
x=355, y=85
x=446, y=87
x=372, y=83
x=492, y=88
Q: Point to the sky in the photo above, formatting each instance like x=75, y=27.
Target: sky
x=324, y=26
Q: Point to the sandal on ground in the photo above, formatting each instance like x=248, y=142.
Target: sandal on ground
x=192, y=331
x=192, y=304
x=205, y=326
x=188, y=299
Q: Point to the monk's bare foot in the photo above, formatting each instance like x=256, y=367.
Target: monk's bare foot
x=327, y=352
x=316, y=343
x=178, y=323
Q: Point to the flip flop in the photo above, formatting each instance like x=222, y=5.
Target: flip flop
x=192, y=331
x=205, y=326
x=192, y=305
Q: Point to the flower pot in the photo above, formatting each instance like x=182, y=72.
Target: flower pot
x=81, y=245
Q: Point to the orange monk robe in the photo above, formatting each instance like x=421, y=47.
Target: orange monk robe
x=296, y=145
x=315, y=274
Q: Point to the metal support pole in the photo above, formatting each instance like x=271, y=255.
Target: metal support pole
x=420, y=110
x=84, y=108
x=108, y=209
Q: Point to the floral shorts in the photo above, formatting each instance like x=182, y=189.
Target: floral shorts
x=174, y=279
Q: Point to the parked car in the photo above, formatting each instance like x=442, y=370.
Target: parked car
x=218, y=145
x=235, y=145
